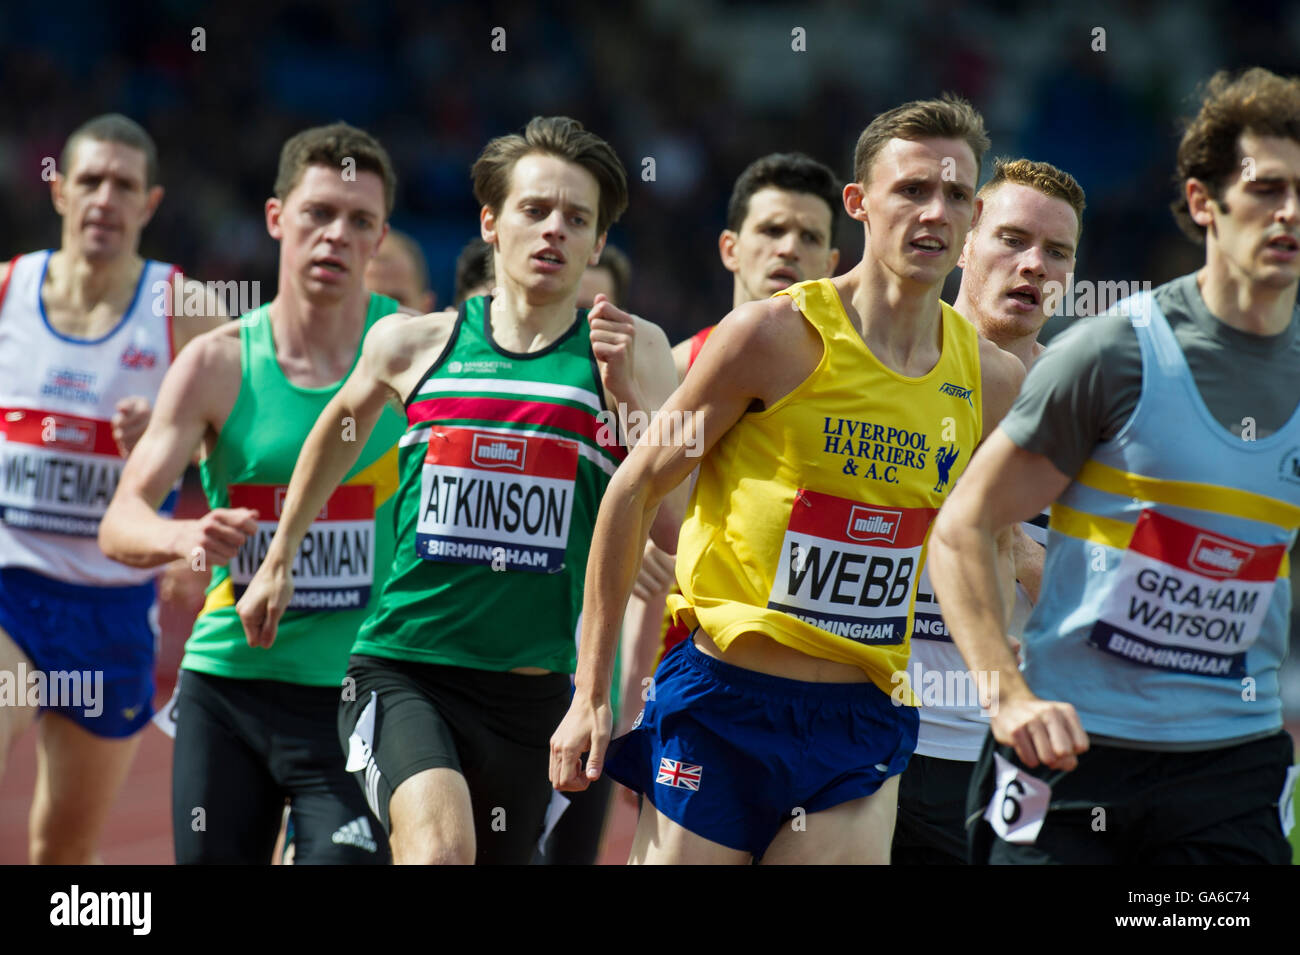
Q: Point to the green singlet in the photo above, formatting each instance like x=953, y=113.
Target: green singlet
x=345, y=556
x=503, y=465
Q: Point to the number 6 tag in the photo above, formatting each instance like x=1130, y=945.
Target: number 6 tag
x=1019, y=803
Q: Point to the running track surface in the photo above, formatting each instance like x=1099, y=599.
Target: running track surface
x=139, y=828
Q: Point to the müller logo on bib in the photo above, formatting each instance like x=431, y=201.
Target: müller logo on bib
x=868, y=523
x=498, y=451
x=1216, y=557
x=69, y=433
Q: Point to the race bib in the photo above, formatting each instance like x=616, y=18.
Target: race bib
x=500, y=499
x=334, y=566
x=1187, y=599
x=57, y=471
x=850, y=568
x=1019, y=804
x=927, y=618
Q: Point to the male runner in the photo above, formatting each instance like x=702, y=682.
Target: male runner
x=781, y=221
x=1165, y=434
x=86, y=333
x=400, y=271
x=777, y=234
x=256, y=726
x=1016, y=260
x=829, y=444
x=467, y=656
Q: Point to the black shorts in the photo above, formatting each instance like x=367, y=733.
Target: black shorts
x=493, y=728
x=242, y=748
x=931, y=824
x=1141, y=807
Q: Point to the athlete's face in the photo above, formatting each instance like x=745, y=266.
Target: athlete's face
x=329, y=228
x=1254, y=226
x=1023, y=240
x=785, y=238
x=917, y=207
x=596, y=281
x=103, y=199
x=393, y=273
x=544, y=234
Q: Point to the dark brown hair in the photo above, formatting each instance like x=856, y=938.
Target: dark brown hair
x=330, y=146
x=554, y=136
x=619, y=267
x=114, y=128
x=793, y=172
x=1257, y=101
x=948, y=117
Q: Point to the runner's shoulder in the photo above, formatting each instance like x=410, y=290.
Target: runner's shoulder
x=999, y=368
x=395, y=341
x=214, y=352
x=768, y=327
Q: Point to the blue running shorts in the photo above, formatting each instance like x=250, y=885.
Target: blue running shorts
x=95, y=647
x=730, y=754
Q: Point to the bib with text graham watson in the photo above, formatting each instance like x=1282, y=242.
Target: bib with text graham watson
x=334, y=566
x=496, y=497
x=1187, y=599
x=850, y=568
x=57, y=471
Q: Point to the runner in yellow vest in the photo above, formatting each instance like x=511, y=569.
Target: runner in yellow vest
x=833, y=420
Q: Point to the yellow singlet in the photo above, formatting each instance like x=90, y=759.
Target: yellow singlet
x=809, y=519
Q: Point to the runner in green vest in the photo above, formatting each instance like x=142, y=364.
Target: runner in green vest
x=255, y=726
x=462, y=669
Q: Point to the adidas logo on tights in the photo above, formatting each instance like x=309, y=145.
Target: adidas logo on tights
x=355, y=833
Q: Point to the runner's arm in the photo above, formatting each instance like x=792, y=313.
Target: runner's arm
x=132, y=531
x=738, y=369
x=1003, y=485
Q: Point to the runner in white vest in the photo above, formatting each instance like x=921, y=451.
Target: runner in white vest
x=1019, y=251
x=86, y=334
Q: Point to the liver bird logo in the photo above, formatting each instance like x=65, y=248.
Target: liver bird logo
x=943, y=460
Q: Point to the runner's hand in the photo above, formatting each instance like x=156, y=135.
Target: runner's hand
x=613, y=334
x=584, y=729
x=130, y=417
x=657, y=574
x=264, y=603
x=215, y=538
x=1042, y=731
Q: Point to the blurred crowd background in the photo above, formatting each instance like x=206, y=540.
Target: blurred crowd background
x=701, y=86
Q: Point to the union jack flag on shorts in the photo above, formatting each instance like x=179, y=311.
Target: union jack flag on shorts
x=672, y=772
